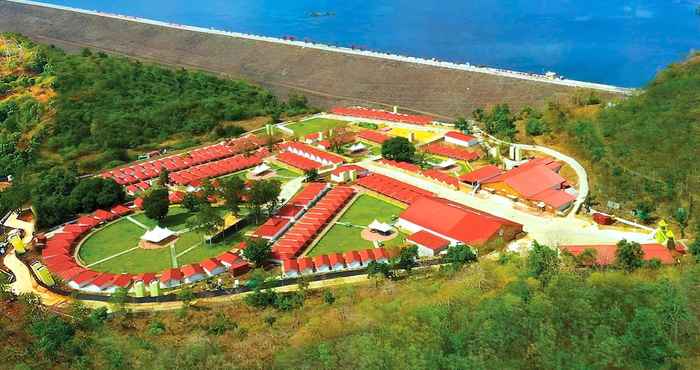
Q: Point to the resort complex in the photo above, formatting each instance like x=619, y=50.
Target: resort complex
x=345, y=203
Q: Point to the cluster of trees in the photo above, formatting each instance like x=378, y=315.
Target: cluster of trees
x=499, y=121
x=542, y=316
x=399, y=149
x=59, y=195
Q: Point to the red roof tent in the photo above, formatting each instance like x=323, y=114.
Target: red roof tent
x=429, y=240
x=210, y=264
x=123, y=280
x=298, y=161
x=88, y=221
x=68, y=275
x=228, y=258
x=76, y=229
x=336, y=258
x=442, y=177
x=138, y=202
x=290, y=265
x=373, y=136
x=170, y=274
x=460, y=136
x=320, y=261
x=606, y=254
x=192, y=270
x=104, y=280
x=366, y=256
x=349, y=167
x=481, y=175
x=271, y=227
x=456, y=221
x=120, y=210
x=85, y=277
x=446, y=151
x=305, y=263
x=145, y=277
x=383, y=115
x=103, y=215
x=330, y=157
x=351, y=256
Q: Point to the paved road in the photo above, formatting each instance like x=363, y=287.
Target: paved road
x=544, y=227
x=25, y=282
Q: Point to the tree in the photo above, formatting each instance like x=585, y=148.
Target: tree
x=51, y=334
x=681, y=217
x=398, y=149
x=463, y=125
x=479, y=115
x=535, y=127
x=232, y=190
x=375, y=268
x=156, y=204
x=328, y=297
x=643, y=211
x=629, y=255
x=694, y=249
x=311, y=175
x=207, y=220
x=118, y=300
x=543, y=262
x=460, y=254
x=191, y=202
x=186, y=296
x=5, y=291
x=500, y=122
x=264, y=192
x=257, y=251
x=164, y=177
x=407, y=258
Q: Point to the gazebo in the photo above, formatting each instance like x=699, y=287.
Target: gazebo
x=158, y=237
x=380, y=227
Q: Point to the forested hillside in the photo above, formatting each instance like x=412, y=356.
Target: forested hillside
x=96, y=106
x=640, y=152
x=540, y=313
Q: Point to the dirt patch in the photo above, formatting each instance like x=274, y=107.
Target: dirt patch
x=370, y=236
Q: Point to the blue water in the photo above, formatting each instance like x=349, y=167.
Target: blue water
x=609, y=41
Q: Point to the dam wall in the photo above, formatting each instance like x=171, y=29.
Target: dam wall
x=327, y=75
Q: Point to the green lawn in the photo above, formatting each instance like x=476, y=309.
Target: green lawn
x=314, y=125
x=124, y=235
x=342, y=238
x=110, y=240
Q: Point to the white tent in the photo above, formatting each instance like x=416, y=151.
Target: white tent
x=357, y=147
x=259, y=170
x=380, y=226
x=157, y=235
x=447, y=163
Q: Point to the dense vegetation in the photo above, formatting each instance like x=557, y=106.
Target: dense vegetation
x=540, y=312
x=91, y=111
x=640, y=151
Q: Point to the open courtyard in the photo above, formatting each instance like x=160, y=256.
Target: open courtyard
x=313, y=125
x=346, y=233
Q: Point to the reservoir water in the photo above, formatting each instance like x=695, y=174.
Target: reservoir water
x=617, y=42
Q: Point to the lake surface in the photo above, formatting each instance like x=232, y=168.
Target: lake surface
x=621, y=43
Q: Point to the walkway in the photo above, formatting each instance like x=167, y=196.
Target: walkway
x=133, y=220
x=112, y=256
x=25, y=283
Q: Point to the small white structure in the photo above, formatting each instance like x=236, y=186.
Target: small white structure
x=380, y=227
x=260, y=169
x=157, y=235
x=357, y=147
x=458, y=138
x=447, y=163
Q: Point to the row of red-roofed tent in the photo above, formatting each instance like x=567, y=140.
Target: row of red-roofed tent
x=431, y=173
x=298, y=161
x=306, y=157
x=140, y=172
x=218, y=168
x=362, y=112
x=450, y=152
x=392, y=188
x=373, y=136
x=277, y=224
x=351, y=260
x=298, y=237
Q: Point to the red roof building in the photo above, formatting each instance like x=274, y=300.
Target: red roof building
x=88, y=221
x=322, y=263
x=373, y=136
x=120, y=210
x=83, y=279
x=336, y=261
x=458, y=138
x=352, y=259
x=146, y=278
x=362, y=112
x=366, y=256
x=272, y=228
x=171, y=278
x=450, y=152
x=481, y=175
x=457, y=223
x=212, y=266
x=228, y=258
x=429, y=244
x=123, y=281
x=103, y=215
x=290, y=268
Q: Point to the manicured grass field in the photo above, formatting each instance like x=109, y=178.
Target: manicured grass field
x=342, y=238
x=314, y=125
x=124, y=235
x=110, y=240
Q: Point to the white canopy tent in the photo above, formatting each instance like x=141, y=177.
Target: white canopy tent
x=259, y=170
x=358, y=147
x=380, y=227
x=157, y=235
x=447, y=163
